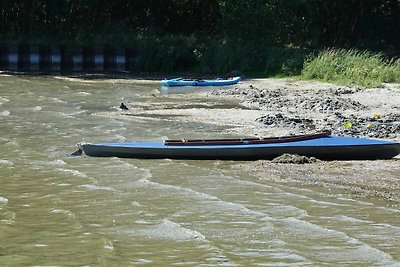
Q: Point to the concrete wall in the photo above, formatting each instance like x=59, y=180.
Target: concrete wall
x=55, y=59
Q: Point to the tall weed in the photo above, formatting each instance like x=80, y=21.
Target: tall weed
x=352, y=67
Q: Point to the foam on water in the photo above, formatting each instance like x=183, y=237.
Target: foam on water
x=322, y=203
x=54, y=100
x=55, y=162
x=136, y=204
x=347, y=219
x=118, y=138
x=72, y=171
x=3, y=100
x=169, y=230
x=78, y=112
x=63, y=114
x=145, y=182
x=8, y=163
x=109, y=245
x=3, y=200
x=62, y=211
x=96, y=187
x=82, y=93
x=5, y=113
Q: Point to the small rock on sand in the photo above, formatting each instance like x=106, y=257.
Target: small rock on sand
x=294, y=159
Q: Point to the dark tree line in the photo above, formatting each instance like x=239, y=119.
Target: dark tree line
x=371, y=24
x=344, y=23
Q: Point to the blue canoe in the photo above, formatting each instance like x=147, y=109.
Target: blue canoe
x=321, y=146
x=199, y=82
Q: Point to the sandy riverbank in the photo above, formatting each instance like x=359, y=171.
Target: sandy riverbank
x=284, y=106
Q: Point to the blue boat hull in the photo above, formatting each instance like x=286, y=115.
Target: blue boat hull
x=324, y=148
x=196, y=82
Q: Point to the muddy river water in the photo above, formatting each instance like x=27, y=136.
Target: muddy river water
x=59, y=210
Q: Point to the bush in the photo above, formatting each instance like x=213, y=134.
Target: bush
x=206, y=55
x=167, y=54
x=253, y=57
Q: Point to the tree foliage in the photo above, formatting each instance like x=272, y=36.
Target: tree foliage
x=311, y=23
x=218, y=35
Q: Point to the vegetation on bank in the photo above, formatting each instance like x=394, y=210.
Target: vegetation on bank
x=352, y=67
x=212, y=56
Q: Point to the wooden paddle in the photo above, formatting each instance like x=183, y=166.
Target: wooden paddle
x=245, y=141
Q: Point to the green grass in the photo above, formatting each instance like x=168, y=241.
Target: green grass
x=352, y=67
